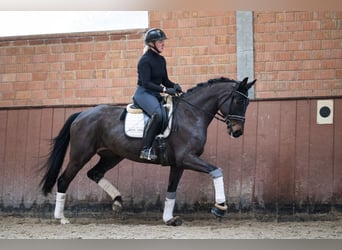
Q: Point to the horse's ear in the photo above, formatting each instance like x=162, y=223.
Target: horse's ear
x=250, y=84
x=244, y=81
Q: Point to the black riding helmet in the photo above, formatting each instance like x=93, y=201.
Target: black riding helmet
x=153, y=35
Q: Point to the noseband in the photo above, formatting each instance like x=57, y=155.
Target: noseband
x=229, y=118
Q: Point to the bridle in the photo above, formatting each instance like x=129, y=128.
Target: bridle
x=227, y=119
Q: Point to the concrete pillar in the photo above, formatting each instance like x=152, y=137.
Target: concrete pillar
x=244, y=47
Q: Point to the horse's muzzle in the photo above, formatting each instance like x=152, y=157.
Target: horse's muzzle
x=235, y=129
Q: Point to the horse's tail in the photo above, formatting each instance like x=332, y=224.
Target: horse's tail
x=54, y=163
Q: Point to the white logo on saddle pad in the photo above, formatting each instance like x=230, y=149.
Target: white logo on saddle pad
x=136, y=120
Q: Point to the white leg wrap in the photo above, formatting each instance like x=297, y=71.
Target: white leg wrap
x=168, y=209
x=59, y=208
x=219, y=190
x=109, y=188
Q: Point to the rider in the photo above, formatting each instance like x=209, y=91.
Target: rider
x=153, y=80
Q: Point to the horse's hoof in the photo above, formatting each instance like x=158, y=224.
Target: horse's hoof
x=117, y=205
x=64, y=221
x=175, y=221
x=219, y=210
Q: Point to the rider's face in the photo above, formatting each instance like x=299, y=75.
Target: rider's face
x=160, y=45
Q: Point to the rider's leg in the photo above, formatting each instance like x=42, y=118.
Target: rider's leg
x=150, y=132
x=150, y=104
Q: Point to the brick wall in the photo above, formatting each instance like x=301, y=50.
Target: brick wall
x=296, y=54
x=201, y=44
x=86, y=68
x=93, y=68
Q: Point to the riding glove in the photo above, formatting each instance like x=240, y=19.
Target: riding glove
x=178, y=88
x=170, y=91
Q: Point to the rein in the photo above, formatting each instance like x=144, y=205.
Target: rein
x=218, y=116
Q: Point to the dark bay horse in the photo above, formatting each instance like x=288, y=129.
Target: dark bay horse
x=99, y=130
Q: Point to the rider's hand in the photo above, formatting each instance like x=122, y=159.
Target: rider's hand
x=170, y=91
x=178, y=88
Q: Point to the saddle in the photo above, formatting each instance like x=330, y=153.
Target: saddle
x=135, y=119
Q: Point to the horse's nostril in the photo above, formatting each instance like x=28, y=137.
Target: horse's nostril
x=237, y=133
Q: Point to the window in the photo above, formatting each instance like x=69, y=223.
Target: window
x=20, y=23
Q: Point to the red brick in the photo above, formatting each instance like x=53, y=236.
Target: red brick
x=82, y=93
x=325, y=74
x=68, y=75
x=331, y=64
x=274, y=46
x=331, y=44
x=54, y=94
x=293, y=26
x=69, y=93
x=85, y=74
x=23, y=94
x=66, y=57
x=311, y=64
x=20, y=43
x=39, y=76
x=302, y=35
x=37, y=42
x=303, y=16
x=82, y=56
x=87, y=65
x=69, y=40
x=102, y=46
x=339, y=74
x=285, y=17
x=284, y=36
x=70, y=47
x=311, y=25
x=85, y=39
x=24, y=77
x=39, y=94
x=71, y=66
x=284, y=56
x=101, y=38
x=265, y=17
x=302, y=55
x=86, y=47
x=98, y=55
x=330, y=24
x=312, y=45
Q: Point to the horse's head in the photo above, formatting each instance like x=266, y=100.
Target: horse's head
x=235, y=106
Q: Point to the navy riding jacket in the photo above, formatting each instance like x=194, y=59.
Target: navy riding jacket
x=152, y=72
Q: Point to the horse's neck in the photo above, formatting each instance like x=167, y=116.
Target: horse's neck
x=205, y=102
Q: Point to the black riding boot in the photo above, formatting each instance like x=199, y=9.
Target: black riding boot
x=150, y=133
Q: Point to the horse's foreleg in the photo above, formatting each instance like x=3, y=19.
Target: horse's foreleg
x=195, y=163
x=174, y=178
x=220, y=206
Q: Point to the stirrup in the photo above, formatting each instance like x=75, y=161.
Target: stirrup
x=147, y=154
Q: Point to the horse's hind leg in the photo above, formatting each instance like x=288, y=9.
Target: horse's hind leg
x=79, y=156
x=62, y=185
x=107, y=161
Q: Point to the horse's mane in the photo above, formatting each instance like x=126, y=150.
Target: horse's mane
x=209, y=83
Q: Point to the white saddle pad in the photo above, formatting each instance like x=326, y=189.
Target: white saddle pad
x=136, y=120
